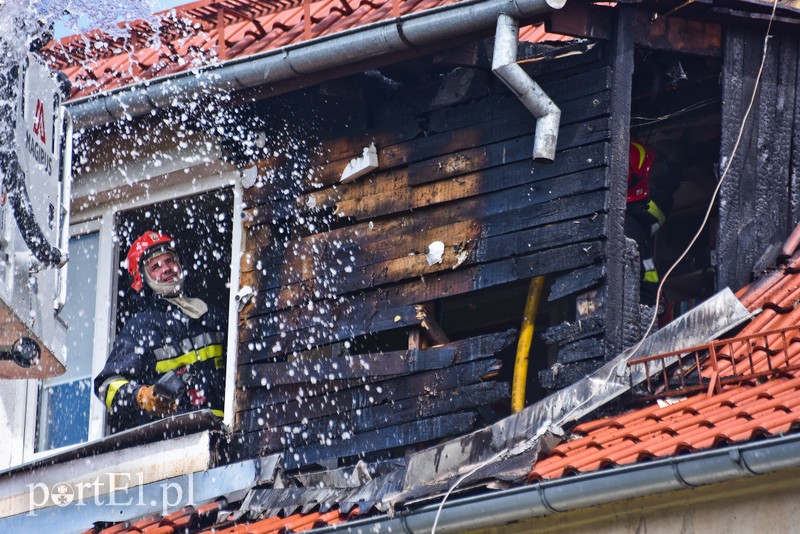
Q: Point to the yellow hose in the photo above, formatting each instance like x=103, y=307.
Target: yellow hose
x=524, y=345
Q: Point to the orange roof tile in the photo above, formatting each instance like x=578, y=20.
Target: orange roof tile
x=757, y=405
x=206, y=32
x=190, y=520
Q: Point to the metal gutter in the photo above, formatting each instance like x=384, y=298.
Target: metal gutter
x=592, y=489
x=324, y=53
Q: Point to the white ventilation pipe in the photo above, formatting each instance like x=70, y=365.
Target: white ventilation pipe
x=505, y=67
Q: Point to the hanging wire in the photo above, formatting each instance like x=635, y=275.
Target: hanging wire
x=653, y=120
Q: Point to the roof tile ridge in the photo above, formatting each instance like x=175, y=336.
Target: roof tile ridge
x=769, y=425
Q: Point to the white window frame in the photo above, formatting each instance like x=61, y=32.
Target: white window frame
x=102, y=219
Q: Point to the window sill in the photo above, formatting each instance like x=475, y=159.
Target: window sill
x=157, y=431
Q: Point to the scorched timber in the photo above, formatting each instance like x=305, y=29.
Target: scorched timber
x=433, y=287
x=381, y=416
x=460, y=252
x=392, y=363
x=474, y=184
x=383, y=439
x=555, y=200
x=405, y=387
x=365, y=319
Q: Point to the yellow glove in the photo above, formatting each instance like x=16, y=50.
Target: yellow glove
x=149, y=401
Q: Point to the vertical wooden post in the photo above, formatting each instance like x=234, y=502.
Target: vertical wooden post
x=622, y=79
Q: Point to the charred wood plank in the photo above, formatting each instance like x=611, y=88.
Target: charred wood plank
x=473, y=184
x=430, y=326
x=580, y=110
x=582, y=20
x=677, y=34
x=461, y=251
x=302, y=408
x=314, y=334
x=776, y=121
x=622, y=64
x=312, y=258
x=550, y=77
x=304, y=370
x=566, y=332
x=794, y=171
x=556, y=200
x=584, y=349
x=381, y=416
x=431, y=288
x=563, y=61
x=560, y=376
x=549, y=192
x=632, y=312
x=476, y=158
x=738, y=193
x=383, y=439
x=575, y=281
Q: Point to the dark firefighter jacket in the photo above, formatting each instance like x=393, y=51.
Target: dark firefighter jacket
x=157, y=339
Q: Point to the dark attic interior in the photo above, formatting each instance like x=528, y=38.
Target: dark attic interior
x=675, y=112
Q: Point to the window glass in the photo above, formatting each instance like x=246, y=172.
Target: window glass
x=64, y=400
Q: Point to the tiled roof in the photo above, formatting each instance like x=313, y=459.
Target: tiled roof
x=206, y=32
x=210, y=519
x=763, y=401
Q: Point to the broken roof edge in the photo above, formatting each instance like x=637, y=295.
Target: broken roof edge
x=323, y=53
x=437, y=466
x=591, y=489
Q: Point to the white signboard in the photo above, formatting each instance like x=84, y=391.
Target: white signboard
x=39, y=138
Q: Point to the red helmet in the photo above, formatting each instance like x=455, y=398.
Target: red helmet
x=640, y=160
x=148, y=244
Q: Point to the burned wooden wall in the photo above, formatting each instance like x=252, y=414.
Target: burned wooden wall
x=760, y=198
x=341, y=346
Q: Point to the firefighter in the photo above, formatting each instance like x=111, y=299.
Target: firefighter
x=169, y=357
x=652, y=182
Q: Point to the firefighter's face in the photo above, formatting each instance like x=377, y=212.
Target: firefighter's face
x=163, y=268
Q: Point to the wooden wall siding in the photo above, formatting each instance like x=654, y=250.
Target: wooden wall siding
x=760, y=199
x=455, y=166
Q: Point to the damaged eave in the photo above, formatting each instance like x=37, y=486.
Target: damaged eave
x=434, y=469
x=366, y=43
x=593, y=489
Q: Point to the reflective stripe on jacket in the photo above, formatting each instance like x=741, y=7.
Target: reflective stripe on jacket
x=159, y=339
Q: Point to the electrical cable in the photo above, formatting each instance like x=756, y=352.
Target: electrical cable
x=735, y=149
x=459, y=481
x=692, y=107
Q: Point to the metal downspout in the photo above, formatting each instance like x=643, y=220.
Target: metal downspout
x=325, y=53
x=505, y=67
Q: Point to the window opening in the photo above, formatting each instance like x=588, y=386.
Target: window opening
x=201, y=229
x=675, y=113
